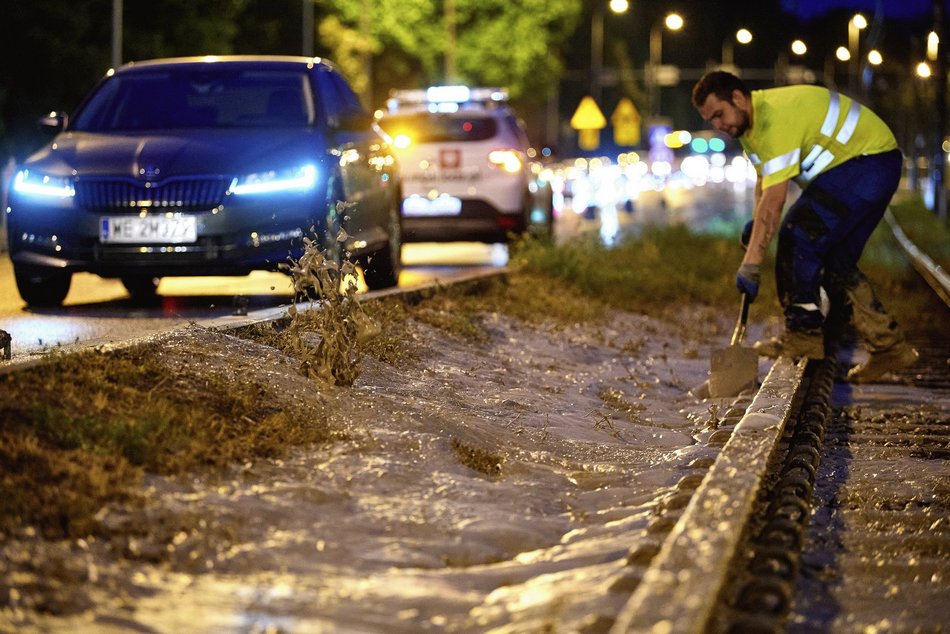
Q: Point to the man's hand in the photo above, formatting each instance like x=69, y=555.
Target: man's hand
x=747, y=280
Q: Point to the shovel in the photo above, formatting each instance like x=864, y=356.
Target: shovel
x=735, y=368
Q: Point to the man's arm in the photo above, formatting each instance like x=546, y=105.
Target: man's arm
x=769, y=203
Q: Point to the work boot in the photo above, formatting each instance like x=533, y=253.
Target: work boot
x=794, y=344
x=897, y=357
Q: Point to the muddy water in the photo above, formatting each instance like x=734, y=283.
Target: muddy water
x=574, y=439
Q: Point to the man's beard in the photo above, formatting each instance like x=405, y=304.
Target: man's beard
x=743, y=125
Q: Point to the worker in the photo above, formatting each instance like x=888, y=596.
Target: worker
x=846, y=161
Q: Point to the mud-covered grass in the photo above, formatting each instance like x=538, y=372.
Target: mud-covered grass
x=477, y=458
x=79, y=431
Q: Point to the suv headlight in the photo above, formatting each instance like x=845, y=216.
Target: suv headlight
x=298, y=178
x=43, y=185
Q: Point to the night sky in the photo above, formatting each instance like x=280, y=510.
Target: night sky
x=808, y=9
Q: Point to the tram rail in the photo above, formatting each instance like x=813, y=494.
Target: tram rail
x=732, y=562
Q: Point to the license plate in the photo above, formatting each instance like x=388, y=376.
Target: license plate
x=171, y=229
x=443, y=205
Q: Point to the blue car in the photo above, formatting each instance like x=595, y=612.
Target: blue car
x=205, y=166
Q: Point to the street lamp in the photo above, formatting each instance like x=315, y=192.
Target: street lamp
x=799, y=47
x=597, y=43
x=673, y=22
x=855, y=25
x=743, y=36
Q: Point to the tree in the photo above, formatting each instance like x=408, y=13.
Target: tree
x=510, y=43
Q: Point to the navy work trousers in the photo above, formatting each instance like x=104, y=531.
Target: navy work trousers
x=824, y=233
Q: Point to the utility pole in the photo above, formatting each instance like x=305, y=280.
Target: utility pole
x=307, y=28
x=366, y=53
x=451, y=68
x=116, y=33
x=940, y=80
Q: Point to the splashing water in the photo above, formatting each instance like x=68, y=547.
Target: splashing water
x=327, y=337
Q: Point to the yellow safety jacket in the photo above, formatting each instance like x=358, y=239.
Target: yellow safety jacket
x=798, y=132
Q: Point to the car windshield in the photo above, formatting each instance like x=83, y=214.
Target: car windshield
x=219, y=98
x=425, y=127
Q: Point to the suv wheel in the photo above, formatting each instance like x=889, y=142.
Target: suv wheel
x=381, y=268
x=42, y=286
x=142, y=288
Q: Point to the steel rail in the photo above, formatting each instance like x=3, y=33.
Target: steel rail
x=681, y=588
x=934, y=274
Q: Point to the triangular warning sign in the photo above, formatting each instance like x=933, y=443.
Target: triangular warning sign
x=588, y=116
x=626, y=122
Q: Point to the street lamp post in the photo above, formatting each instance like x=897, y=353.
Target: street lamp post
x=673, y=22
x=116, y=33
x=743, y=36
x=855, y=25
x=597, y=43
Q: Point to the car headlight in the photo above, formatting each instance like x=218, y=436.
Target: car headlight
x=298, y=178
x=43, y=185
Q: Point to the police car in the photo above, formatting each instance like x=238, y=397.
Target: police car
x=466, y=165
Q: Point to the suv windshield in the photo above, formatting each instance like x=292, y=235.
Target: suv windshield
x=425, y=127
x=220, y=98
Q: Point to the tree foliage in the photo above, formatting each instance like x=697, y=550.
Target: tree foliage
x=55, y=51
x=512, y=43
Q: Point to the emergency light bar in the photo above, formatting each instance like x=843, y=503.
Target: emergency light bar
x=445, y=98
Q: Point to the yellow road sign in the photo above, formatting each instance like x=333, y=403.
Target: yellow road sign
x=588, y=116
x=626, y=122
x=588, y=120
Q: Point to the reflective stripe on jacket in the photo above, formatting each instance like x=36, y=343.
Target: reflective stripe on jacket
x=799, y=132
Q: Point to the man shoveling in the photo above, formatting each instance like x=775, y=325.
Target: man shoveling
x=847, y=163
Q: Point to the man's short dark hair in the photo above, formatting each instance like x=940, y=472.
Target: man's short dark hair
x=719, y=83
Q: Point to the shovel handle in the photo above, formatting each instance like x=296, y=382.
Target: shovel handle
x=739, y=332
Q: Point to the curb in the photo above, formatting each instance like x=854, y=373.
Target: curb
x=680, y=589
x=233, y=322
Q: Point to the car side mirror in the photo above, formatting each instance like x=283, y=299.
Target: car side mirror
x=358, y=122
x=55, y=120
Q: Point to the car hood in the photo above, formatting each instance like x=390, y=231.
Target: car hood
x=158, y=156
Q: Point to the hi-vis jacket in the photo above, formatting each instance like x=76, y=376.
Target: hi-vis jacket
x=798, y=132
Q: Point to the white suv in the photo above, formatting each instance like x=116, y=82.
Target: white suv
x=465, y=164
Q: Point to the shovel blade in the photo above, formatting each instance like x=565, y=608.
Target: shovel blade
x=733, y=369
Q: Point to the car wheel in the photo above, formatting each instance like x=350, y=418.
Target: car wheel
x=381, y=268
x=42, y=286
x=142, y=288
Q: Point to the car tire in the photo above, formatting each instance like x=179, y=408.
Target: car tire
x=381, y=268
x=142, y=288
x=42, y=286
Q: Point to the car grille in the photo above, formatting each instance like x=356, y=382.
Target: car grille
x=192, y=194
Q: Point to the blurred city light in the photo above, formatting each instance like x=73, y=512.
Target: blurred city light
x=933, y=45
x=619, y=6
x=923, y=70
x=699, y=145
x=799, y=48
x=842, y=53
x=674, y=22
x=875, y=57
x=743, y=36
x=859, y=21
